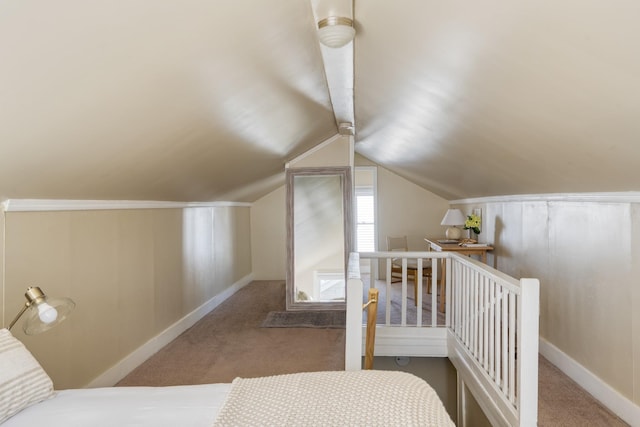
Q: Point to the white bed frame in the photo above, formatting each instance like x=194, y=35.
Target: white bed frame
x=491, y=333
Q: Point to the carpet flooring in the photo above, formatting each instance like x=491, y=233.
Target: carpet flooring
x=229, y=342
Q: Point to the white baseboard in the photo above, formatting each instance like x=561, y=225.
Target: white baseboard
x=148, y=349
x=612, y=399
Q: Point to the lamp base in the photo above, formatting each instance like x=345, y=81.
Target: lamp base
x=453, y=233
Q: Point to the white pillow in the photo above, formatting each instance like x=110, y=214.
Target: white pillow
x=23, y=382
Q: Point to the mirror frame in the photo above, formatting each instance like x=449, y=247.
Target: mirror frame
x=347, y=203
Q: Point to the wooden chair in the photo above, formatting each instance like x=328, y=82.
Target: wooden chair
x=400, y=244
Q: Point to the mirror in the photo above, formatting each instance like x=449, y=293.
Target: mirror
x=318, y=237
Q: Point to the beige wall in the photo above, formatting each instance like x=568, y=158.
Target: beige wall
x=407, y=209
x=333, y=152
x=586, y=255
x=268, y=236
x=132, y=274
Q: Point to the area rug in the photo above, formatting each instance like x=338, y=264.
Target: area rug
x=305, y=319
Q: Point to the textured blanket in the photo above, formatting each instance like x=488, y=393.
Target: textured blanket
x=342, y=398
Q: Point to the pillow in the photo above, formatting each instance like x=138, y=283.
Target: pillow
x=23, y=382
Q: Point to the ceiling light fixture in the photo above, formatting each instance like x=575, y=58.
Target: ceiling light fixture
x=336, y=31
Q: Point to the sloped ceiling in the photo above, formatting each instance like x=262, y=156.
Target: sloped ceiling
x=198, y=100
x=144, y=100
x=489, y=98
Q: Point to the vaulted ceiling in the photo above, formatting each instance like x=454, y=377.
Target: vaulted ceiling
x=197, y=100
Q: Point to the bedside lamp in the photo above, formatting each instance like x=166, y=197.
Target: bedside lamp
x=42, y=313
x=452, y=218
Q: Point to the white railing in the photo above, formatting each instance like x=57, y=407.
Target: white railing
x=493, y=339
x=353, y=326
x=491, y=323
x=422, y=260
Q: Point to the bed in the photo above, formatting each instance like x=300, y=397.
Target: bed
x=188, y=406
x=384, y=398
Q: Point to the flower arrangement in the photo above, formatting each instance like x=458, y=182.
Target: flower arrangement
x=473, y=223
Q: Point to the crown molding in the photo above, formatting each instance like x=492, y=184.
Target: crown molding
x=614, y=197
x=46, y=205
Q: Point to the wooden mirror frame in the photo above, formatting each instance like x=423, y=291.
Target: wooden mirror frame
x=347, y=207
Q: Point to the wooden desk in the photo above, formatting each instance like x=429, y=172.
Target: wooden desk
x=434, y=245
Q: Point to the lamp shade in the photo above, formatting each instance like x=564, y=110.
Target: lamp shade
x=43, y=313
x=453, y=217
x=335, y=31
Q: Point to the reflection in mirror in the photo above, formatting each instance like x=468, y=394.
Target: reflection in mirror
x=318, y=218
x=319, y=246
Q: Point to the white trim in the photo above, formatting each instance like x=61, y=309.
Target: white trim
x=127, y=364
x=481, y=386
x=612, y=399
x=409, y=341
x=31, y=205
x=352, y=152
x=3, y=262
x=353, y=333
x=614, y=197
x=312, y=150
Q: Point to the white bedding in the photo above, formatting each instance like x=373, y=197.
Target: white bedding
x=337, y=398
x=184, y=406
x=375, y=398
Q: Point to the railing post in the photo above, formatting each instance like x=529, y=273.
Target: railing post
x=353, y=324
x=447, y=265
x=528, y=351
x=370, y=343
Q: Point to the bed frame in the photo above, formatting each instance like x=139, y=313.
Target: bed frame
x=491, y=331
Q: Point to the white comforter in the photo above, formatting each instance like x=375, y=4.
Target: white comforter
x=340, y=398
x=371, y=398
x=179, y=406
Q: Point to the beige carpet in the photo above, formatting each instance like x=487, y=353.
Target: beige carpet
x=562, y=402
x=229, y=342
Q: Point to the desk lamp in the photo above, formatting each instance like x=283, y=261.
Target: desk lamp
x=452, y=218
x=42, y=313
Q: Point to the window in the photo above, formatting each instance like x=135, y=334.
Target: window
x=365, y=220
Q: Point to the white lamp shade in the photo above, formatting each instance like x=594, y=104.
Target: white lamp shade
x=336, y=31
x=453, y=217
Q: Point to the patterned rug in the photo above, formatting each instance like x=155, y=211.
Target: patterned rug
x=305, y=319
